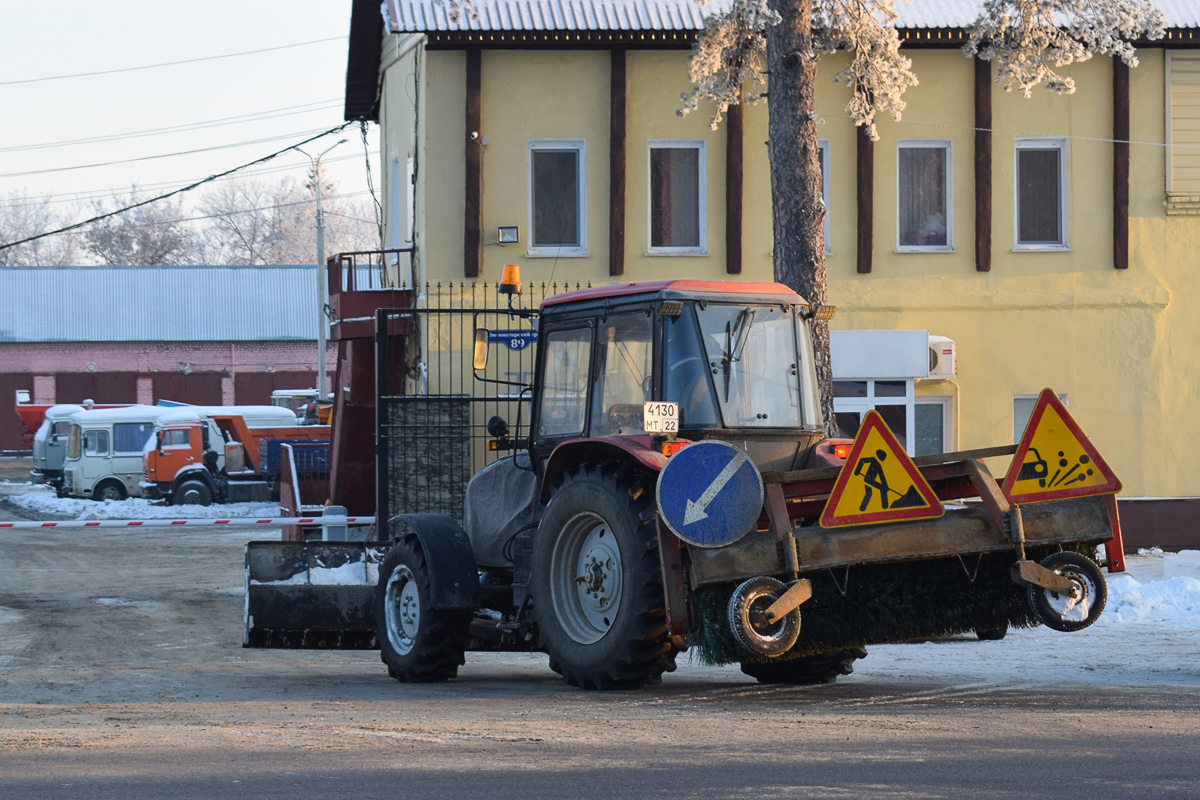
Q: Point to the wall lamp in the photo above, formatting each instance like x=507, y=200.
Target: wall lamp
x=507, y=234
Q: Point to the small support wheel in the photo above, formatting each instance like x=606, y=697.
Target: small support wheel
x=750, y=630
x=1070, y=613
x=992, y=634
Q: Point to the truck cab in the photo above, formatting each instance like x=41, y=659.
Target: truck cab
x=50, y=443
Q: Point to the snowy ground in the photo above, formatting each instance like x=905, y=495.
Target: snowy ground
x=1148, y=635
x=40, y=500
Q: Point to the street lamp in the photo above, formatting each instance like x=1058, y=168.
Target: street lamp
x=321, y=299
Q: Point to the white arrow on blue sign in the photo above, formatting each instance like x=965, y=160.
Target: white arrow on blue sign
x=710, y=494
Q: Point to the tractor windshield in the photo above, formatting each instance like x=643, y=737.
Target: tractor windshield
x=753, y=358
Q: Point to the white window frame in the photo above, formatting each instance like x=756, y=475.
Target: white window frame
x=943, y=400
x=864, y=404
x=701, y=199
x=947, y=193
x=1062, y=396
x=823, y=154
x=1045, y=143
x=557, y=251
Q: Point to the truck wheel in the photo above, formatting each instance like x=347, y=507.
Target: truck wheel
x=1064, y=613
x=192, y=493
x=418, y=643
x=823, y=668
x=746, y=605
x=597, y=584
x=109, y=490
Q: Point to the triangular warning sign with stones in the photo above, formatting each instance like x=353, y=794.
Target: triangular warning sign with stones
x=878, y=482
x=1055, y=460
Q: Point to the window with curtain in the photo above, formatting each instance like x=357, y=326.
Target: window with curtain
x=677, y=196
x=556, y=189
x=923, y=196
x=1041, y=200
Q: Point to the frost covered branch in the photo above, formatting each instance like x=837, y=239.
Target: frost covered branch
x=1030, y=39
x=730, y=52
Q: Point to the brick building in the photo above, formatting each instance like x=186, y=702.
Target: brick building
x=211, y=335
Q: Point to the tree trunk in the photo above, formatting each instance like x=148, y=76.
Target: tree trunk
x=799, y=210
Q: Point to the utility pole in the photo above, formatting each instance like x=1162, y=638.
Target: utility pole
x=322, y=300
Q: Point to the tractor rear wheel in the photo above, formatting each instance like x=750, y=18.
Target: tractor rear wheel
x=822, y=668
x=597, y=584
x=418, y=643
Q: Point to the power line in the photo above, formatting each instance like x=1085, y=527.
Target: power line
x=172, y=63
x=274, y=113
x=188, y=188
x=93, y=194
x=155, y=157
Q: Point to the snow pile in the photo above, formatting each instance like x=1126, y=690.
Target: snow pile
x=1173, y=601
x=135, y=508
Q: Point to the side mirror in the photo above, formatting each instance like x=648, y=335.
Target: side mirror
x=480, y=359
x=158, y=441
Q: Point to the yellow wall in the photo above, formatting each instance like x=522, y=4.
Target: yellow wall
x=1123, y=345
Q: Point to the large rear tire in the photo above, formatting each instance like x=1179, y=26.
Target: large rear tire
x=597, y=584
x=822, y=668
x=418, y=643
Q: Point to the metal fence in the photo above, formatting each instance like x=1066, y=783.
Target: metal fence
x=432, y=420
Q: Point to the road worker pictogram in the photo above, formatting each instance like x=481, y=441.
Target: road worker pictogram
x=878, y=482
x=1055, y=460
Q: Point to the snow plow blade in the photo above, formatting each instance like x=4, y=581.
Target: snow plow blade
x=311, y=594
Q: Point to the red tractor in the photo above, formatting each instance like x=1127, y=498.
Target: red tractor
x=667, y=491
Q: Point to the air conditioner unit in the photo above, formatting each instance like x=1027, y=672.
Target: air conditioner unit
x=941, y=358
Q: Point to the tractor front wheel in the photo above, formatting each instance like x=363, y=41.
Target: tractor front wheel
x=597, y=584
x=418, y=643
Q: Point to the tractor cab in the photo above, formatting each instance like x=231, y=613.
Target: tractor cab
x=737, y=365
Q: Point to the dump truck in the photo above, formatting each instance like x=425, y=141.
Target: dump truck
x=674, y=487
x=202, y=455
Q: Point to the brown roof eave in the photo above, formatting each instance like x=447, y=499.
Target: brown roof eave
x=362, y=61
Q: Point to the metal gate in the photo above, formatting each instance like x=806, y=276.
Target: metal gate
x=431, y=421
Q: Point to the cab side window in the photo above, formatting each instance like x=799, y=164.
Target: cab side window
x=564, y=390
x=95, y=443
x=623, y=375
x=175, y=438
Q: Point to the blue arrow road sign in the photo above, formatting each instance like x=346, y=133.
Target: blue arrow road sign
x=710, y=494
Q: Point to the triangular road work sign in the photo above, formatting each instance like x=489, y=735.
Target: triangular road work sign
x=878, y=482
x=1055, y=460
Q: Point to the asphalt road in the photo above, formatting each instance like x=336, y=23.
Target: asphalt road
x=122, y=676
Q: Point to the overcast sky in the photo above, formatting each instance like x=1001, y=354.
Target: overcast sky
x=295, y=92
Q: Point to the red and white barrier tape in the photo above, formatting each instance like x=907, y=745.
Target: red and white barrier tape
x=191, y=523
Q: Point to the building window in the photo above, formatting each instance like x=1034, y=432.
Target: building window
x=1022, y=410
x=931, y=422
x=557, y=192
x=1041, y=194
x=893, y=399
x=823, y=156
x=923, y=202
x=676, y=196
x=1183, y=131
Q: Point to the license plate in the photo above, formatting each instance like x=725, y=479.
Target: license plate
x=660, y=417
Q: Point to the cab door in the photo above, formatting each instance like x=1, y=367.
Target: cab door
x=97, y=457
x=175, y=453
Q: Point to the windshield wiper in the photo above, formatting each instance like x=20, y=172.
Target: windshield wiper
x=735, y=341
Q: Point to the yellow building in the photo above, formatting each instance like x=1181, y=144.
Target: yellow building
x=1049, y=241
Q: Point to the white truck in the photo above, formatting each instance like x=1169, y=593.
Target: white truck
x=104, y=451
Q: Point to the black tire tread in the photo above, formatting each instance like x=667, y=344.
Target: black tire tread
x=443, y=636
x=648, y=652
x=807, y=670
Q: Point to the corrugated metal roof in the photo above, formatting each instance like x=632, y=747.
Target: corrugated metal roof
x=160, y=304
x=565, y=15
x=408, y=16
